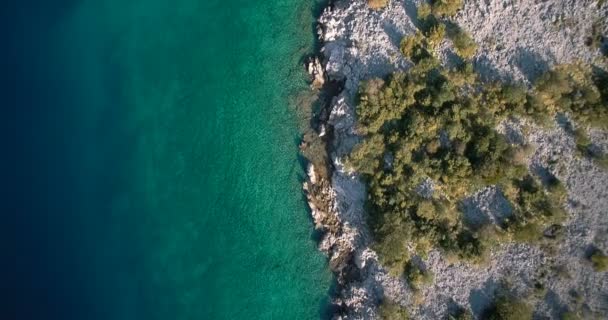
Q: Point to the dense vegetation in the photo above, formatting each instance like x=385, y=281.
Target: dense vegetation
x=437, y=126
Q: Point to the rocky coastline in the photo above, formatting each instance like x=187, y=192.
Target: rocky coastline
x=359, y=44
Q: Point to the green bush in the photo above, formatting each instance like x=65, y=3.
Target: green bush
x=424, y=11
x=464, y=45
x=426, y=19
x=365, y=157
x=471, y=247
x=574, y=89
x=583, y=143
x=584, y=149
x=446, y=8
x=416, y=276
x=414, y=47
x=435, y=36
x=392, y=311
x=601, y=161
x=507, y=307
x=461, y=314
x=599, y=261
x=526, y=232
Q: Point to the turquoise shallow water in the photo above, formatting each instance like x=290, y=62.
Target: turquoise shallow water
x=164, y=166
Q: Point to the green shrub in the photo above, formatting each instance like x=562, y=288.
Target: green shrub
x=569, y=315
x=416, y=276
x=446, y=8
x=601, y=161
x=464, y=45
x=599, y=261
x=424, y=11
x=392, y=311
x=366, y=156
x=392, y=254
x=471, y=247
x=574, y=89
x=393, y=234
x=460, y=76
x=557, y=190
x=528, y=232
x=435, y=36
x=584, y=149
x=426, y=19
x=583, y=143
x=414, y=47
x=507, y=307
x=461, y=314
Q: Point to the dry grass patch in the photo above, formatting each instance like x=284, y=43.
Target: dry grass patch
x=377, y=4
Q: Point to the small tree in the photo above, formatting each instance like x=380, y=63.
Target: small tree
x=599, y=261
x=391, y=311
x=446, y=8
x=508, y=307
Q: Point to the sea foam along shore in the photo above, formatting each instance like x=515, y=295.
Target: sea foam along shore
x=517, y=41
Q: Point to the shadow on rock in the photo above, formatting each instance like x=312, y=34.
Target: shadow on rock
x=531, y=64
x=487, y=206
x=487, y=72
x=393, y=33
x=482, y=299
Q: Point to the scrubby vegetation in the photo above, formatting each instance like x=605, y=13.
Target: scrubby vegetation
x=464, y=45
x=392, y=311
x=572, y=89
x=417, y=276
x=599, y=261
x=446, y=8
x=460, y=314
x=570, y=316
x=508, y=307
x=439, y=125
x=434, y=27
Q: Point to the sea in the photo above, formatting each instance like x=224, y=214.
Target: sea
x=150, y=161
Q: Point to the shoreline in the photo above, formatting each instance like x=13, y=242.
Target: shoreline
x=330, y=191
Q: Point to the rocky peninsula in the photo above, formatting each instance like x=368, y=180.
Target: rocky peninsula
x=517, y=41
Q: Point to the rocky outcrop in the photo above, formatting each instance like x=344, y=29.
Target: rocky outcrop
x=317, y=72
x=516, y=41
